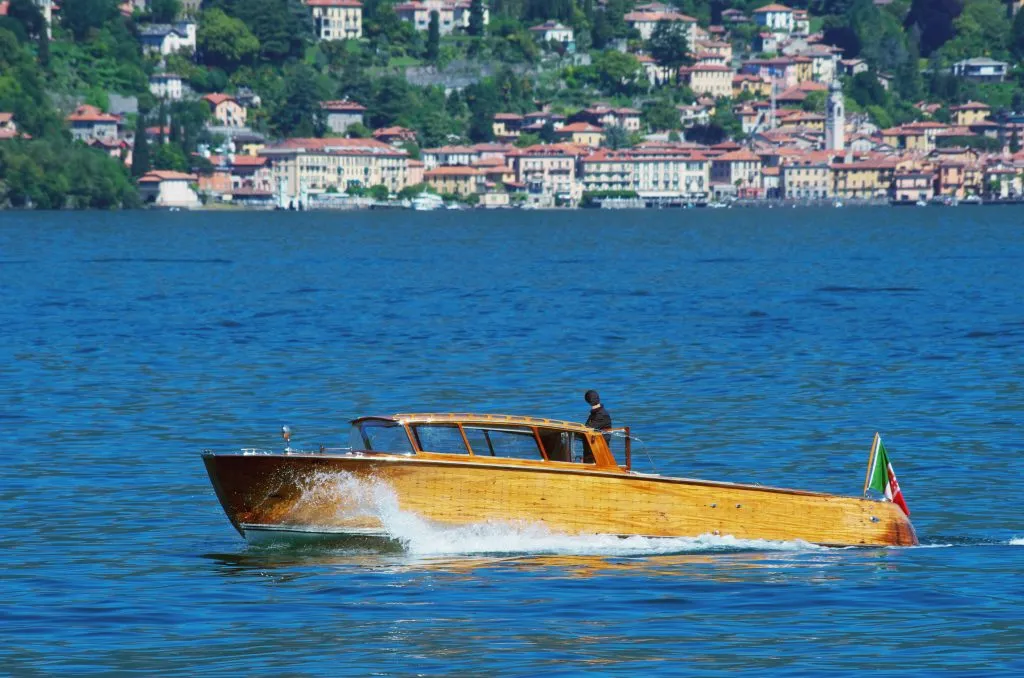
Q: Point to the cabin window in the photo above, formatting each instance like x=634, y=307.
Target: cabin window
x=478, y=441
x=513, y=444
x=380, y=436
x=441, y=439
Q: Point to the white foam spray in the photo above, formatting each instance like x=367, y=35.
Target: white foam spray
x=366, y=497
x=1017, y=541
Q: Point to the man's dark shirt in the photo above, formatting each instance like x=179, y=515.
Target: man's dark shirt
x=599, y=418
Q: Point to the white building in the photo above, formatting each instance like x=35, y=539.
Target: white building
x=776, y=18
x=164, y=188
x=337, y=19
x=554, y=31
x=451, y=14
x=166, y=86
x=164, y=39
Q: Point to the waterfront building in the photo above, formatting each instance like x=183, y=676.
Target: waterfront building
x=867, y=179
x=668, y=172
x=740, y=170
x=549, y=172
x=336, y=19
x=322, y=165
x=1001, y=181
x=913, y=186
x=164, y=188
x=455, y=180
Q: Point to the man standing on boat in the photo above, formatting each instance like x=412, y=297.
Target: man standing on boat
x=599, y=419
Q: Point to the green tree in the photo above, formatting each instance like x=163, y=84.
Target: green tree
x=618, y=74
x=81, y=17
x=434, y=37
x=933, y=22
x=164, y=11
x=299, y=113
x=661, y=115
x=283, y=27
x=668, y=45
x=27, y=13
x=140, y=152
x=476, y=18
x=981, y=29
x=379, y=192
x=616, y=137
x=1016, y=40
x=170, y=157
x=224, y=41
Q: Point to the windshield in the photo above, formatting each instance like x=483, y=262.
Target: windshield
x=380, y=436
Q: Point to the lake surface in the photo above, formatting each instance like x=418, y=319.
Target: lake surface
x=751, y=345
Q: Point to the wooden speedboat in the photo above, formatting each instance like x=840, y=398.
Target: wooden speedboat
x=459, y=469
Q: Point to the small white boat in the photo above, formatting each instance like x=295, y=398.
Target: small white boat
x=427, y=201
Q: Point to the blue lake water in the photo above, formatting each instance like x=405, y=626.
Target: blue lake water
x=752, y=345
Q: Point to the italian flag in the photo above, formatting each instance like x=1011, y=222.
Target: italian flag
x=882, y=478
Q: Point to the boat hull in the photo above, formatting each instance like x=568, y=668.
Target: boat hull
x=267, y=496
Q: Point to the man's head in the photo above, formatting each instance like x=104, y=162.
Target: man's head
x=592, y=398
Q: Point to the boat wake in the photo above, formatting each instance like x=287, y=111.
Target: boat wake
x=1017, y=541
x=362, y=498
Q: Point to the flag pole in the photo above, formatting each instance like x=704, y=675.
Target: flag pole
x=871, y=458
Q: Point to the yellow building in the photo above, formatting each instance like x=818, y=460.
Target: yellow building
x=582, y=133
x=710, y=79
x=865, y=179
x=507, y=126
x=301, y=166
x=915, y=136
x=754, y=84
x=337, y=19
x=454, y=180
x=970, y=113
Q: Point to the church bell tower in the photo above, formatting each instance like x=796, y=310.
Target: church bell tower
x=835, y=118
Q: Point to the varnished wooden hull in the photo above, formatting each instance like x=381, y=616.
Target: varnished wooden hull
x=346, y=494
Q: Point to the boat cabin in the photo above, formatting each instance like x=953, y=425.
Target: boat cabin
x=492, y=438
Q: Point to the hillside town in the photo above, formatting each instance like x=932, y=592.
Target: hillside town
x=747, y=121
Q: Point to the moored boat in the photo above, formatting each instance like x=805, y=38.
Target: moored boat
x=460, y=469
